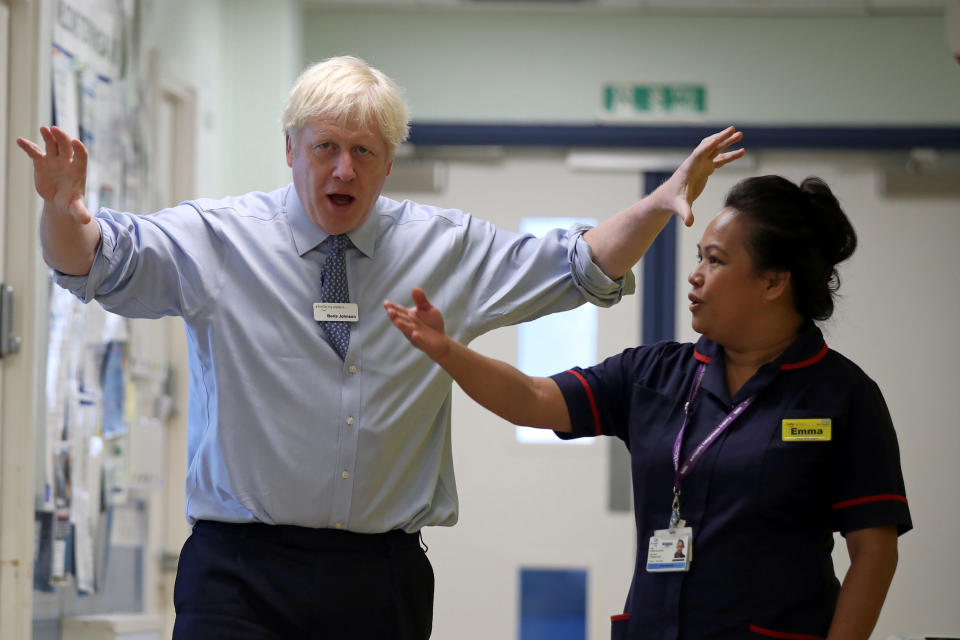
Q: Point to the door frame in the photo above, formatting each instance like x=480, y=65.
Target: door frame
x=22, y=374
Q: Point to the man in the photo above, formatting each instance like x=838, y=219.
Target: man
x=319, y=441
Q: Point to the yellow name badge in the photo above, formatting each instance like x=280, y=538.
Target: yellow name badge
x=807, y=429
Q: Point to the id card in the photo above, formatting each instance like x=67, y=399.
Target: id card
x=670, y=550
x=336, y=312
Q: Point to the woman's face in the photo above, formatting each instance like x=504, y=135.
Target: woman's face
x=727, y=292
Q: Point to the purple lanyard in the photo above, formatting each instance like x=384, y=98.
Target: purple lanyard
x=681, y=472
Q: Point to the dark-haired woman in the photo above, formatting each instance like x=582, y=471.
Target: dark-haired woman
x=753, y=445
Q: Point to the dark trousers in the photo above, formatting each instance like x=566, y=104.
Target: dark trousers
x=263, y=582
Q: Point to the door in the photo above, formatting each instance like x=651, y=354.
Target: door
x=24, y=99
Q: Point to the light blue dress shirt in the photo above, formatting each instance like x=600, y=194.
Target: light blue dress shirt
x=280, y=429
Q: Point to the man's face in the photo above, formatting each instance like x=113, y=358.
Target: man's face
x=338, y=173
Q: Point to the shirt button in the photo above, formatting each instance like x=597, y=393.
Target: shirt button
x=352, y=368
x=350, y=420
x=345, y=475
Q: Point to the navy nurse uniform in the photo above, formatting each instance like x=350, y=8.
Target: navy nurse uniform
x=763, y=508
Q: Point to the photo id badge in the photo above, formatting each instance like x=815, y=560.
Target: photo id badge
x=670, y=550
x=336, y=312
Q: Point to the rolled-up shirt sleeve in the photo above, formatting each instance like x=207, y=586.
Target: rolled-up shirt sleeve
x=590, y=279
x=166, y=263
x=84, y=286
x=511, y=278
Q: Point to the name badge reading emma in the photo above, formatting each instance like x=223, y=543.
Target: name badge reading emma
x=807, y=429
x=336, y=312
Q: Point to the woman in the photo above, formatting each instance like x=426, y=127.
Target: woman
x=753, y=445
x=678, y=554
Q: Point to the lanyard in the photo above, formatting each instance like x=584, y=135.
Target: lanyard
x=681, y=472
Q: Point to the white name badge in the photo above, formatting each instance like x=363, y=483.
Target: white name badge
x=670, y=550
x=336, y=312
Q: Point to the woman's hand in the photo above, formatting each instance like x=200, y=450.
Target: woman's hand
x=687, y=182
x=60, y=171
x=422, y=324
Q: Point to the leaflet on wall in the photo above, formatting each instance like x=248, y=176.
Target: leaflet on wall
x=66, y=106
x=42, y=550
x=61, y=559
x=91, y=31
x=63, y=348
x=114, y=419
x=101, y=128
x=85, y=502
x=86, y=516
x=91, y=400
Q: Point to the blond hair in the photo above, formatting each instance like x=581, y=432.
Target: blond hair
x=348, y=91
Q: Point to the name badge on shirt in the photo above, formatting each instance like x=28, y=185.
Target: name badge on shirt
x=670, y=550
x=336, y=312
x=807, y=429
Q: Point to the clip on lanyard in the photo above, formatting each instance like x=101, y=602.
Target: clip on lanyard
x=679, y=473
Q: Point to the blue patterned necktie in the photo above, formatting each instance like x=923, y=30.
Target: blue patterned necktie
x=335, y=290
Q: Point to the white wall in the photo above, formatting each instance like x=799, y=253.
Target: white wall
x=242, y=57
x=188, y=36
x=261, y=58
x=542, y=66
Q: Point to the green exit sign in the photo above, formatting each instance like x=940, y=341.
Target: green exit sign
x=655, y=101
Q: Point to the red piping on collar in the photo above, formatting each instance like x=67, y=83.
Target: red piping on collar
x=784, y=367
x=806, y=363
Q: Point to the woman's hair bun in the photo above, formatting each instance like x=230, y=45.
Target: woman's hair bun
x=838, y=239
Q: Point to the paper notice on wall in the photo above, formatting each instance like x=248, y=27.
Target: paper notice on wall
x=66, y=103
x=127, y=529
x=147, y=454
x=90, y=30
x=83, y=544
x=61, y=540
x=43, y=550
x=63, y=350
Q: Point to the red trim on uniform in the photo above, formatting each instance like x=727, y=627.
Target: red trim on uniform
x=699, y=356
x=781, y=634
x=593, y=402
x=878, y=498
x=806, y=363
x=622, y=616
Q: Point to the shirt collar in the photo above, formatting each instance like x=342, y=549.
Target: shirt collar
x=806, y=350
x=307, y=235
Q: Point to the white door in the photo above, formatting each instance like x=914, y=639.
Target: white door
x=4, y=93
x=23, y=29
x=8, y=578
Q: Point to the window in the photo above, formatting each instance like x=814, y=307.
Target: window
x=556, y=342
